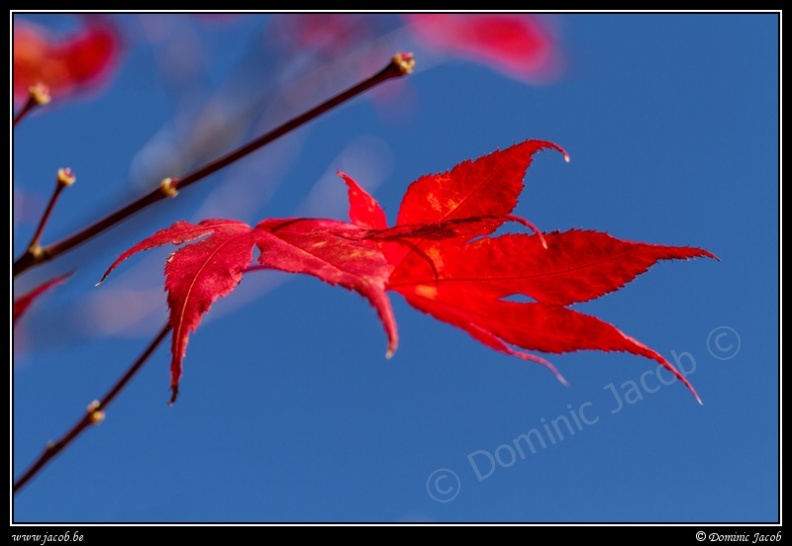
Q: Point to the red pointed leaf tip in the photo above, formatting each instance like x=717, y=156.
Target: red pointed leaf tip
x=174, y=395
x=23, y=302
x=518, y=45
x=364, y=211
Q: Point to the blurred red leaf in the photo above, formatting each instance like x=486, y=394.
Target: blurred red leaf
x=517, y=44
x=23, y=302
x=64, y=64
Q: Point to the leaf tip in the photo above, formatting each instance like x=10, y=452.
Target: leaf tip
x=560, y=150
x=703, y=253
x=561, y=379
x=698, y=398
x=105, y=275
x=345, y=177
x=174, y=395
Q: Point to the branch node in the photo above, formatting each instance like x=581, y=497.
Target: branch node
x=37, y=251
x=39, y=93
x=66, y=177
x=405, y=62
x=54, y=447
x=168, y=187
x=95, y=414
x=399, y=65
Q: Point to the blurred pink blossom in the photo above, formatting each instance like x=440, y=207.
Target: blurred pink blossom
x=520, y=45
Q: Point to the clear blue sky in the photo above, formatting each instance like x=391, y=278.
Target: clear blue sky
x=289, y=410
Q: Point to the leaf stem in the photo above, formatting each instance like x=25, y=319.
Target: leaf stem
x=93, y=415
x=400, y=65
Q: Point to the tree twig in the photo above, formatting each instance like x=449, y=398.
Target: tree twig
x=93, y=415
x=400, y=65
x=38, y=96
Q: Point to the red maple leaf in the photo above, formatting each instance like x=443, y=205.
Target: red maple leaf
x=440, y=255
x=464, y=282
x=197, y=274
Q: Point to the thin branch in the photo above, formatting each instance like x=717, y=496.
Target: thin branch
x=93, y=415
x=400, y=65
x=64, y=179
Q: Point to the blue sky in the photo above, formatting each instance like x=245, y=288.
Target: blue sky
x=288, y=409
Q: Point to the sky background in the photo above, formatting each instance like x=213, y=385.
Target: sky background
x=288, y=409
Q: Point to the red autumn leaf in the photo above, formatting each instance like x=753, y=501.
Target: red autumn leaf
x=66, y=64
x=22, y=303
x=517, y=44
x=198, y=273
x=440, y=255
x=463, y=282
